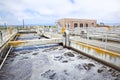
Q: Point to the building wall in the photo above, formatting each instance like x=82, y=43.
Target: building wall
x=72, y=23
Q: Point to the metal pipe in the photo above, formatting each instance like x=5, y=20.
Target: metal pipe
x=5, y=57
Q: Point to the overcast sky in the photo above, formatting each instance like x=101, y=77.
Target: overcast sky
x=49, y=11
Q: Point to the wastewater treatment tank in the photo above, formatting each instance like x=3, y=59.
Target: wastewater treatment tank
x=30, y=36
x=53, y=62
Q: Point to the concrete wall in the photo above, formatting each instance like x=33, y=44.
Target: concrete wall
x=108, y=58
x=5, y=50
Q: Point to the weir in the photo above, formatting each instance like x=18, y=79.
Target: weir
x=34, y=42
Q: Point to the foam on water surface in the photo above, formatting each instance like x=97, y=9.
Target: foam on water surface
x=54, y=63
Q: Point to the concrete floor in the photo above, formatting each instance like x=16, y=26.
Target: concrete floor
x=54, y=63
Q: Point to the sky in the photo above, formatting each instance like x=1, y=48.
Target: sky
x=47, y=12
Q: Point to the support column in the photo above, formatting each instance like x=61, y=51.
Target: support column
x=66, y=38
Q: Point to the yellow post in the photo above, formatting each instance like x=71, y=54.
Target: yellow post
x=63, y=30
x=10, y=30
x=108, y=27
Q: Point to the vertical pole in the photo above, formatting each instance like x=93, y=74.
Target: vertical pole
x=23, y=23
x=1, y=37
x=5, y=27
x=106, y=41
x=5, y=32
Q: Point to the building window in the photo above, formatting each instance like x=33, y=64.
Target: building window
x=75, y=25
x=92, y=24
x=86, y=25
x=68, y=25
x=81, y=25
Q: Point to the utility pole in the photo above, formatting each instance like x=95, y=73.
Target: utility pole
x=5, y=26
x=23, y=23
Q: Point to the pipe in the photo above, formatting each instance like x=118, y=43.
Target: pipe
x=5, y=57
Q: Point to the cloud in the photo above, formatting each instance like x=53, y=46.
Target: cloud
x=72, y=1
x=48, y=11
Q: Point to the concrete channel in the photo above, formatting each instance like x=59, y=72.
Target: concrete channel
x=51, y=61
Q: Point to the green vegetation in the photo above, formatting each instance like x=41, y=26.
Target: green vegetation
x=3, y=27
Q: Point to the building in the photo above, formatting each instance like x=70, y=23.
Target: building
x=73, y=23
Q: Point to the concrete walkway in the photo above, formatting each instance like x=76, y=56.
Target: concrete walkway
x=115, y=47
